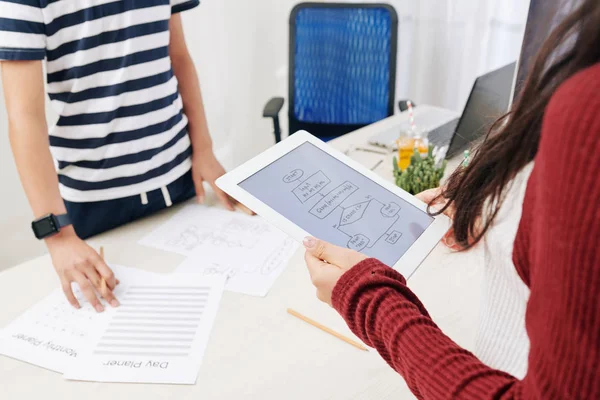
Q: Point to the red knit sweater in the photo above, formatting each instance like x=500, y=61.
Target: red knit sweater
x=557, y=254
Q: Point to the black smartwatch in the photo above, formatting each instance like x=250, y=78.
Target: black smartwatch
x=49, y=225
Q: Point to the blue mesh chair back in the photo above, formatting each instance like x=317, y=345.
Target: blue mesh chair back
x=342, y=66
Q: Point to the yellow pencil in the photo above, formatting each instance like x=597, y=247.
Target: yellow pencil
x=103, y=281
x=243, y=208
x=326, y=329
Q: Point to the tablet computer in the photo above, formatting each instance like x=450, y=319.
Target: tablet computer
x=306, y=188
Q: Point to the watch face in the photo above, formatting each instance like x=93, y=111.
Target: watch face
x=44, y=227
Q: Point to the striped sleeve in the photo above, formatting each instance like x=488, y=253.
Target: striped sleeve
x=178, y=6
x=22, y=30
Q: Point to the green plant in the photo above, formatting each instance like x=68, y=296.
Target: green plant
x=421, y=174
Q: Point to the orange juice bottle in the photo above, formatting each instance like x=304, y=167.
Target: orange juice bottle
x=407, y=143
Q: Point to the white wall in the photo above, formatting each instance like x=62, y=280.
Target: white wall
x=241, y=47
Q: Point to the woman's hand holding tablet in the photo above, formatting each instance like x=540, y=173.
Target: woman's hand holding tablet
x=306, y=188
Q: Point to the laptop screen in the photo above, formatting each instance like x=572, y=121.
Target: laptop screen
x=489, y=99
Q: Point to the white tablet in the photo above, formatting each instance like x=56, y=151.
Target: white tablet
x=306, y=188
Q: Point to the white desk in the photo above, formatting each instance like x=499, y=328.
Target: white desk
x=256, y=350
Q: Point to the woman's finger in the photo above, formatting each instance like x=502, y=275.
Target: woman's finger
x=434, y=198
x=68, y=291
x=87, y=289
x=340, y=256
x=450, y=241
x=199, y=186
x=315, y=265
x=428, y=195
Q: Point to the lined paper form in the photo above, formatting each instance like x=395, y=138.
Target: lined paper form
x=162, y=319
x=157, y=335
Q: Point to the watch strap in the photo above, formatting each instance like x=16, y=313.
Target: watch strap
x=63, y=220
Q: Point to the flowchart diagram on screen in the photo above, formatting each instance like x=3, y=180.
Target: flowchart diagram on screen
x=365, y=222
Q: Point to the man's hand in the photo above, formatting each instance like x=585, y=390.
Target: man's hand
x=327, y=263
x=206, y=167
x=75, y=261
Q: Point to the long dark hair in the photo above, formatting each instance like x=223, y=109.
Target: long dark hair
x=476, y=192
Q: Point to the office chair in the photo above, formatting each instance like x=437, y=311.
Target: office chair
x=342, y=76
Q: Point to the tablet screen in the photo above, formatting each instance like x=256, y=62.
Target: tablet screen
x=336, y=203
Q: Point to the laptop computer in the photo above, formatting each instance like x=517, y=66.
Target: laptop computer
x=488, y=100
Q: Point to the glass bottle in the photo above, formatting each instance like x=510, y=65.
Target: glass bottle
x=421, y=142
x=407, y=143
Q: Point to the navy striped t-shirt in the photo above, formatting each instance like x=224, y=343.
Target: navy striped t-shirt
x=121, y=129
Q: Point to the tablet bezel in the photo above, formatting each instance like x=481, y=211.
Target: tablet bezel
x=410, y=260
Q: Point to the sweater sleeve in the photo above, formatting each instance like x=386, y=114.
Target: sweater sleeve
x=559, y=242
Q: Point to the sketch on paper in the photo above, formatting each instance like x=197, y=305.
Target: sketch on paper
x=234, y=234
x=283, y=252
x=248, y=250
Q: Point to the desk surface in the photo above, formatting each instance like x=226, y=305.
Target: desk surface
x=257, y=350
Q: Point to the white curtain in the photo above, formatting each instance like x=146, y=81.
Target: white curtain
x=241, y=49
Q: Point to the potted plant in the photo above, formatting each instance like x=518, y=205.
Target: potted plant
x=421, y=174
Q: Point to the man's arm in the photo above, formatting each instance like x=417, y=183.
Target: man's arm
x=205, y=165
x=74, y=261
x=28, y=134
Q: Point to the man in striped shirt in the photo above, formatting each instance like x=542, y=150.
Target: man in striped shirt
x=131, y=137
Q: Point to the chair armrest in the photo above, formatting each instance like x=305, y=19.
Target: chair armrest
x=273, y=107
x=271, y=110
x=403, y=105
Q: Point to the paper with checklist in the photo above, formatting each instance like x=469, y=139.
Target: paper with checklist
x=157, y=335
x=248, y=250
x=52, y=334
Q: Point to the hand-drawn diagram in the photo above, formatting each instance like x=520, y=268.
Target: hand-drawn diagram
x=243, y=226
x=311, y=186
x=248, y=250
x=333, y=199
x=293, y=176
x=275, y=259
x=222, y=269
x=236, y=233
x=365, y=222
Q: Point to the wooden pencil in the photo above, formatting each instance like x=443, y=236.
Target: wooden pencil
x=102, y=281
x=243, y=208
x=326, y=329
